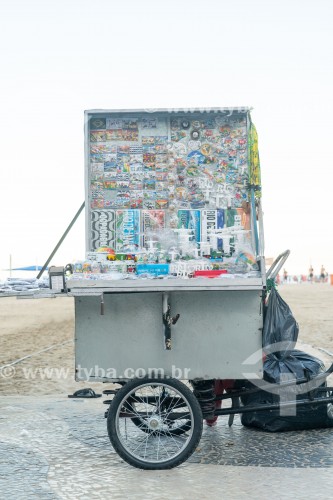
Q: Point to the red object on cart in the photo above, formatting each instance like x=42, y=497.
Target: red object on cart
x=219, y=387
x=210, y=273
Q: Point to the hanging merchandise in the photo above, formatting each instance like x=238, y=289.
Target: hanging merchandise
x=254, y=161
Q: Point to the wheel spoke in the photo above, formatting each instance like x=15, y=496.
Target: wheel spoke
x=166, y=445
x=146, y=422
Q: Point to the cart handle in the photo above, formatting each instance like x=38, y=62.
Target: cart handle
x=277, y=264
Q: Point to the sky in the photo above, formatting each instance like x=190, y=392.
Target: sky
x=61, y=57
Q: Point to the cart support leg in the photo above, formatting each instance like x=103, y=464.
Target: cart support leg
x=235, y=404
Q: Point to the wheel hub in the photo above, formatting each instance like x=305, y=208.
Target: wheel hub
x=154, y=423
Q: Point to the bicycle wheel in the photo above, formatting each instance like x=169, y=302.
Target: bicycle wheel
x=175, y=427
x=155, y=404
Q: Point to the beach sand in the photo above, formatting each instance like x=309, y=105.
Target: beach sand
x=312, y=306
x=28, y=326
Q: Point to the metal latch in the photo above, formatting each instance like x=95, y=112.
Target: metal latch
x=168, y=321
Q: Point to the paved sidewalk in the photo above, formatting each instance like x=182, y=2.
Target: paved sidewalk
x=54, y=447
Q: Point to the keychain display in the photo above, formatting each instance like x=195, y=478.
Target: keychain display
x=188, y=174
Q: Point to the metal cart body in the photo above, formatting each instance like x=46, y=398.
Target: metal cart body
x=216, y=333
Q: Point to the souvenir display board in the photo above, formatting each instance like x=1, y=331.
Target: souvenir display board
x=164, y=188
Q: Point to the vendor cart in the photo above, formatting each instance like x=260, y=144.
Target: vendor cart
x=171, y=296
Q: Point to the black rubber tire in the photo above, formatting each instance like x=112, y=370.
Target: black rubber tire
x=197, y=424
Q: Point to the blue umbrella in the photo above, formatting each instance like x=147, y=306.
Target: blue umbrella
x=26, y=268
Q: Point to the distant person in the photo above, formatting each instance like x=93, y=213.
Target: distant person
x=285, y=275
x=311, y=274
x=322, y=274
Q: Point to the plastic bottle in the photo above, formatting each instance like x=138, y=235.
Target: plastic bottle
x=95, y=267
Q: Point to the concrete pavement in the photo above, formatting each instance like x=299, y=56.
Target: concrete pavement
x=58, y=448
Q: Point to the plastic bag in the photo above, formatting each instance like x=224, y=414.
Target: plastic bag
x=280, y=326
x=301, y=365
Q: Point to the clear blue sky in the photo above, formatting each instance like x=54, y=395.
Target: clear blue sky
x=61, y=57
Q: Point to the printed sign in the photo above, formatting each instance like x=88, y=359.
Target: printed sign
x=190, y=219
x=212, y=219
x=102, y=229
x=127, y=229
x=152, y=221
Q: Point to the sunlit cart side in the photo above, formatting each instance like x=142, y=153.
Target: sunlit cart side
x=166, y=340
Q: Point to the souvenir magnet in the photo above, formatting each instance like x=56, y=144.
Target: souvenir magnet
x=194, y=145
x=180, y=149
x=97, y=123
x=206, y=149
x=97, y=136
x=196, y=124
x=195, y=135
x=195, y=158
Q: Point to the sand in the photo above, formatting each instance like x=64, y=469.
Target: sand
x=28, y=326
x=312, y=306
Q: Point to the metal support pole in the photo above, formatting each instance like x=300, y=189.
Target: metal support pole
x=61, y=240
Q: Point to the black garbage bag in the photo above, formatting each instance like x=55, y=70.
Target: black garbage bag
x=295, y=365
x=280, y=327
